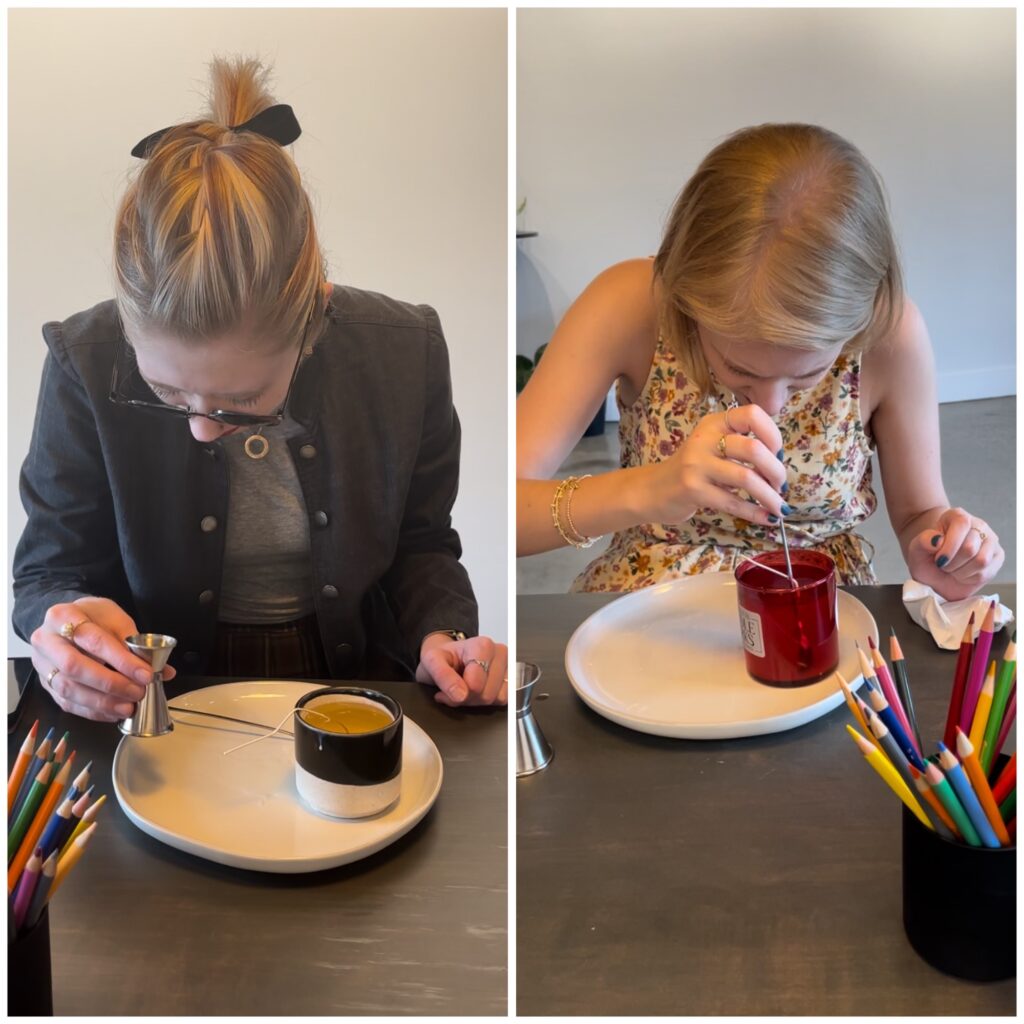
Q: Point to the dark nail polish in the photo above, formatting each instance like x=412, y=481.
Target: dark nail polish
x=936, y=539
x=772, y=518
x=784, y=488
x=780, y=455
x=786, y=510
x=941, y=561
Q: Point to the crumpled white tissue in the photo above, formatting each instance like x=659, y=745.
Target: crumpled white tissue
x=947, y=620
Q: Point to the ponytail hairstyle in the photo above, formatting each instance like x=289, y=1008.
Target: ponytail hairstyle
x=781, y=235
x=215, y=232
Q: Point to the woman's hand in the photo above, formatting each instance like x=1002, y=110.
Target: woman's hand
x=714, y=462
x=87, y=669
x=957, y=556
x=467, y=673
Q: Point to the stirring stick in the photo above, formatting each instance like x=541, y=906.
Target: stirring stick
x=767, y=568
x=785, y=548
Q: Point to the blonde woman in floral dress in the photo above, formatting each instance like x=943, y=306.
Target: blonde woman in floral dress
x=760, y=359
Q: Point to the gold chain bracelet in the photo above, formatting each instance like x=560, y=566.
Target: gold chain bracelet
x=565, y=489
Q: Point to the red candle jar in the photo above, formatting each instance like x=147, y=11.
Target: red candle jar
x=790, y=634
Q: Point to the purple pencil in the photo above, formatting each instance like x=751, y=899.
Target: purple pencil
x=27, y=887
x=976, y=675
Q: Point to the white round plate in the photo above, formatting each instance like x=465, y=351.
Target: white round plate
x=668, y=660
x=243, y=809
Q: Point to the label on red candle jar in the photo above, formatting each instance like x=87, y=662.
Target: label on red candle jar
x=750, y=627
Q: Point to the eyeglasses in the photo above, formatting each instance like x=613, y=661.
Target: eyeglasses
x=128, y=388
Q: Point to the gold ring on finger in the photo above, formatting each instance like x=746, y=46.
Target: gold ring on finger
x=728, y=425
x=721, y=447
x=49, y=678
x=68, y=630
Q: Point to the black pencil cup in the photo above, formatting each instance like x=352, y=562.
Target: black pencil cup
x=959, y=904
x=29, y=982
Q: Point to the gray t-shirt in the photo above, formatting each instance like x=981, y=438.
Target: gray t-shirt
x=267, y=571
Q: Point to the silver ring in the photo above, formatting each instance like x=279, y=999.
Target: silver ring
x=49, y=678
x=68, y=629
x=485, y=665
x=728, y=425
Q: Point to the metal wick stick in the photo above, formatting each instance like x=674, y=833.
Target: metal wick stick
x=785, y=548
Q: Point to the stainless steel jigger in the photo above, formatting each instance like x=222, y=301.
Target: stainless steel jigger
x=151, y=718
x=533, y=752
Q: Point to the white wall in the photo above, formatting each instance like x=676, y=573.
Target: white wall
x=403, y=147
x=615, y=109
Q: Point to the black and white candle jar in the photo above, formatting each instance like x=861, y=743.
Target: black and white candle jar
x=348, y=751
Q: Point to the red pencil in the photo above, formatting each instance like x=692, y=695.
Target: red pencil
x=956, y=699
x=1008, y=718
x=1006, y=781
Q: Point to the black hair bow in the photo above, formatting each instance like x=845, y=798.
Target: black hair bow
x=277, y=123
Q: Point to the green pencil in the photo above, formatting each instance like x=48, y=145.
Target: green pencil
x=944, y=791
x=28, y=810
x=999, y=700
x=1009, y=806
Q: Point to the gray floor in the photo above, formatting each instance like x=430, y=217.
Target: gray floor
x=978, y=468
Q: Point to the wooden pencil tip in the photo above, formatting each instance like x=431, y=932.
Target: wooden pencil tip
x=871, y=643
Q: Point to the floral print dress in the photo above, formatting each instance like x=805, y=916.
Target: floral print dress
x=828, y=464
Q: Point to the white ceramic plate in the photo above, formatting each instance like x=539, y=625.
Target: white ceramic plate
x=243, y=809
x=668, y=660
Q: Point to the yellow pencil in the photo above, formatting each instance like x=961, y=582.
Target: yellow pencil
x=983, y=708
x=851, y=702
x=88, y=817
x=71, y=858
x=972, y=766
x=890, y=776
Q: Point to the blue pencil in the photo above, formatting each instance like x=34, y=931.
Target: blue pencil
x=892, y=723
x=962, y=787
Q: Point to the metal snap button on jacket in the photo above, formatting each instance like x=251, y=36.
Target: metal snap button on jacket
x=320, y=518
x=206, y=597
x=208, y=524
x=329, y=591
x=307, y=451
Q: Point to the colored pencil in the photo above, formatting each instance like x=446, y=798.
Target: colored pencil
x=1011, y=827
x=890, y=776
x=35, y=830
x=27, y=887
x=889, y=690
x=983, y=707
x=1008, y=720
x=943, y=790
x=976, y=675
x=899, y=761
x=1008, y=808
x=885, y=713
x=66, y=863
x=1006, y=780
x=81, y=782
x=1004, y=681
x=39, y=897
x=60, y=751
x=78, y=809
x=956, y=699
x=88, y=817
x=42, y=755
x=929, y=797
x=29, y=806
x=855, y=704
x=50, y=839
x=968, y=798
x=899, y=668
x=976, y=777
x=21, y=763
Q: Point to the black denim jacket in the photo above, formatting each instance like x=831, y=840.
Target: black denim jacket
x=116, y=497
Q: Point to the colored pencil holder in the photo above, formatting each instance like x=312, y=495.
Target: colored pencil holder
x=348, y=776
x=959, y=904
x=29, y=981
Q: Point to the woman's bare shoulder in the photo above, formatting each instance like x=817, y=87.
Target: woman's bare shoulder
x=894, y=361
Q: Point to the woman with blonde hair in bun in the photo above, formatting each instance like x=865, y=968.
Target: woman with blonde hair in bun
x=238, y=453
x=760, y=359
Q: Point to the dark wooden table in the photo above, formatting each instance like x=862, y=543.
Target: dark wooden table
x=752, y=876
x=418, y=928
